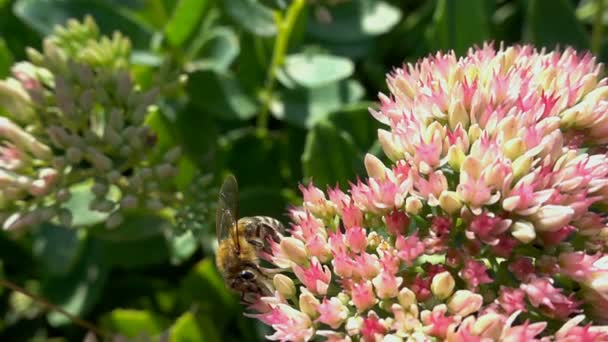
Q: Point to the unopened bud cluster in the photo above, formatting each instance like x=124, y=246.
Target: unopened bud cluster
x=489, y=224
x=73, y=115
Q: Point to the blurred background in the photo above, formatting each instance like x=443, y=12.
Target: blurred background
x=273, y=91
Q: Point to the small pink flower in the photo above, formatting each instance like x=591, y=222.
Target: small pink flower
x=356, y=238
x=289, y=324
x=542, y=294
x=332, y=312
x=436, y=322
x=363, y=295
x=421, y=286
x=554, y=238
x=522, y=268
x=372, y=328
x=397, y=223
x=572, y=332
x=505, y=246
x=317, y=246
x=475, y=273
x=409, y=248
x=343, y=265
x=441, y=225
x=387, y=285
x=511, y=300
x=487, y=228
x=352, y=216
x=525, y=332
x=316, y=277
x=368, y=265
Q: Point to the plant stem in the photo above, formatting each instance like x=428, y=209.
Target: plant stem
x=77, y=320
x=598, y=28
x=285, y=28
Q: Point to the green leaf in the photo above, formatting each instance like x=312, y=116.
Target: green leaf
x=134, y=323
x=357, y=121
x=78, y=204
x=252, y=16
x=6, y=59
x=44, y=15
x=330, y=156
x=135, y=227
x=354, y=21
x=314, y=70
x=185, y=17
x=78, y=291
x=221, y=95
x=204, y=287
x=252, y=157
x=217, y=52
x=186, y=329
x=306, y=106
x=459, y=25
x=131, y=254
x=182, y=247
x=550, y=23
x=57, y=248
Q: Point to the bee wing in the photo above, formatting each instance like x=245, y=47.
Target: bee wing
x=226, y=215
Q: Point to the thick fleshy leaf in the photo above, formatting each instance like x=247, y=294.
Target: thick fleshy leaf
x=217, y=51
x=551, y=23
x=330, y=156
x=354, y=21
x=360, y=125
x=252, y=16
x=6, y=59
x=77, y=292
x=184, y=20
x=221, y=95
x=459, y=25
x=129, y=254
x=245, y=152
x=135, y=227
x=189, y=327
x=306, y=106
x=78, y=205
x=134, y=323
x=314, y=70
x=182, y=247
x=57, y=248
x=43, y=15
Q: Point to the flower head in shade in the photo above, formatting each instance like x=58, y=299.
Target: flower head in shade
x=487, y=223
x=74, y=120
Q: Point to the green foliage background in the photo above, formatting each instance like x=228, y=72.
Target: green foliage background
x=277, y=93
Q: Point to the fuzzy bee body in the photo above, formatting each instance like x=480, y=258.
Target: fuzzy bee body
x=240, y=241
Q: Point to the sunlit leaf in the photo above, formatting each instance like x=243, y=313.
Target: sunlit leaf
x=354, y=21
x=186, y=328
x=183, y=22
x=306, y=106
x=218, y=50
x=134, y=323
x=78, y=205
x=314, y=70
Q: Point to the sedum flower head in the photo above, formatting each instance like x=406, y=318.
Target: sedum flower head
x=73, y=115
x=486, y=225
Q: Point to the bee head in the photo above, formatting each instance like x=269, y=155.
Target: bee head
x=247, y=275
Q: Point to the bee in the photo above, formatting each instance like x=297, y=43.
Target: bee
x=240, y=243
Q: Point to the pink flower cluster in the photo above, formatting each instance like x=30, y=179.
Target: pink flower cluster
x=489, y=223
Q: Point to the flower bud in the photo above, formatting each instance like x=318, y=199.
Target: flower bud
x=129, y=202
x=465, y=302
x=489, y=326
x=457, y=114
x=551, y=218
x=521, y=166
x=308, y=303
x=450, y=202
x=354, y=325
x=413, y=205
x=443, y=285
x=390, y=148
x=523, y=231
x=73, y=155
x=514, y=148
x=406, y=297
x=456, y=157
x=295, y=250
x=374, y=167
x=284, y=285
x=172, y=155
